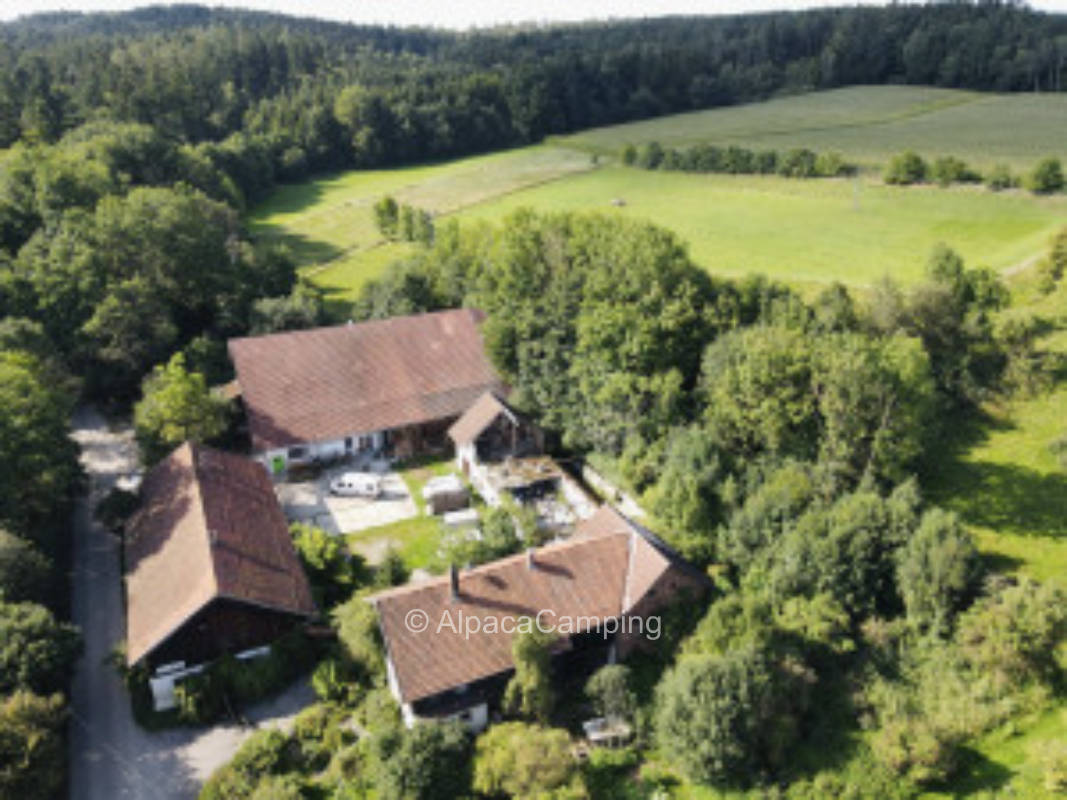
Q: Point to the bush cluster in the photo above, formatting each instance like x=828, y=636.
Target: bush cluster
x=228, y=684
x=733, y=160
x=909, y=168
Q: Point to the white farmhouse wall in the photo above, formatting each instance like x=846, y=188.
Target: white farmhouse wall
x=324, y=451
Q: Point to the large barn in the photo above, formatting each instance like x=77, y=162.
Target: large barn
x=210, y=565
x=393, y=385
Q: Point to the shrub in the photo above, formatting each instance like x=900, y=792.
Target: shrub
x=766, y=162
x=116, y=507
x=25, y=574
x=1014, y=633
x=911, y=747
x=628, y=155
x=357, y=629
x=426, y=762
x=279, y=787
x=336, y=680
x=936, y=571
x=906, y=168
x=378, y=712
x=832, y=165
x=949, y=169
x=392, y=571
x=32, y=753
x=37, y=651
x=610, y=691
x=317, y=733
x=199, y=699
x=203, y=698
x=264, y=754
x=798, y=163
x=650, y=155
x=517, y=760
x=1046, y=177
x=725, y=718
x=332, y=572
x=1000, y=178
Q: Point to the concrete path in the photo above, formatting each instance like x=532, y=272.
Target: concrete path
x=111, y=757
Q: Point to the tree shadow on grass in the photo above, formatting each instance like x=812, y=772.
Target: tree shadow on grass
x=977, y=774
x=293, y=198
x=1009, y=498
x=305, y=250
x=1014, y=499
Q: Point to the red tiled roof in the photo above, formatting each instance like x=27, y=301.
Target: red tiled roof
x=478, y=417
x=600, y=573
x=209, y=526
x=326, y=383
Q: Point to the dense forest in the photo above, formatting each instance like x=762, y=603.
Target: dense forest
x=134, y=142
x=308, y=95
x=136, y=139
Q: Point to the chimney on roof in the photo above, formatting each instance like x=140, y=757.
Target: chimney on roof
x=453, y=582
x=530, y=563
x=213, y=536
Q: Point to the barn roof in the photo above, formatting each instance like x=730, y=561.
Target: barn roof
x=209, y=526
x=602, y=572
x=479, y=417
x=326, y=383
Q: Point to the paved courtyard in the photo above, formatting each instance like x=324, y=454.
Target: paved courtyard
x=310, y=501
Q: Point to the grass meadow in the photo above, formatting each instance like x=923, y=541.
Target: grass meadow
x=328, y=223
x=868, y=124
x=808, y=231
x=805, y=232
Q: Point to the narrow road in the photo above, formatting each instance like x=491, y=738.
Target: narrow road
x=111, y=757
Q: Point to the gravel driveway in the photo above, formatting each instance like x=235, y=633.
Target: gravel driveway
x=111, y=757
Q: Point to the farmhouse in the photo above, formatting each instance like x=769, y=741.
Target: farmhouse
x=392, y=385
x=210, y=566
x=597, y=590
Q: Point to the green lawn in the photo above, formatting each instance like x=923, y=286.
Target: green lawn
x=998, y=473
x=855, y=231
x=328, y=222
x=868, y=124
x=416, y=539
x=1002, y=480
x=1008, y=488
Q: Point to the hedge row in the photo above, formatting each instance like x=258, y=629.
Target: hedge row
x=797, y=163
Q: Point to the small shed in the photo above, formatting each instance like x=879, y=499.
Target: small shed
x=445, y=493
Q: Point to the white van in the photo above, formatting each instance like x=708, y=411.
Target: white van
x=356, y=484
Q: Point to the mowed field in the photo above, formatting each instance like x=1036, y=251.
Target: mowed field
x=851, y=230
x=868, y=124
x=806, y=232
x=329, y=225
